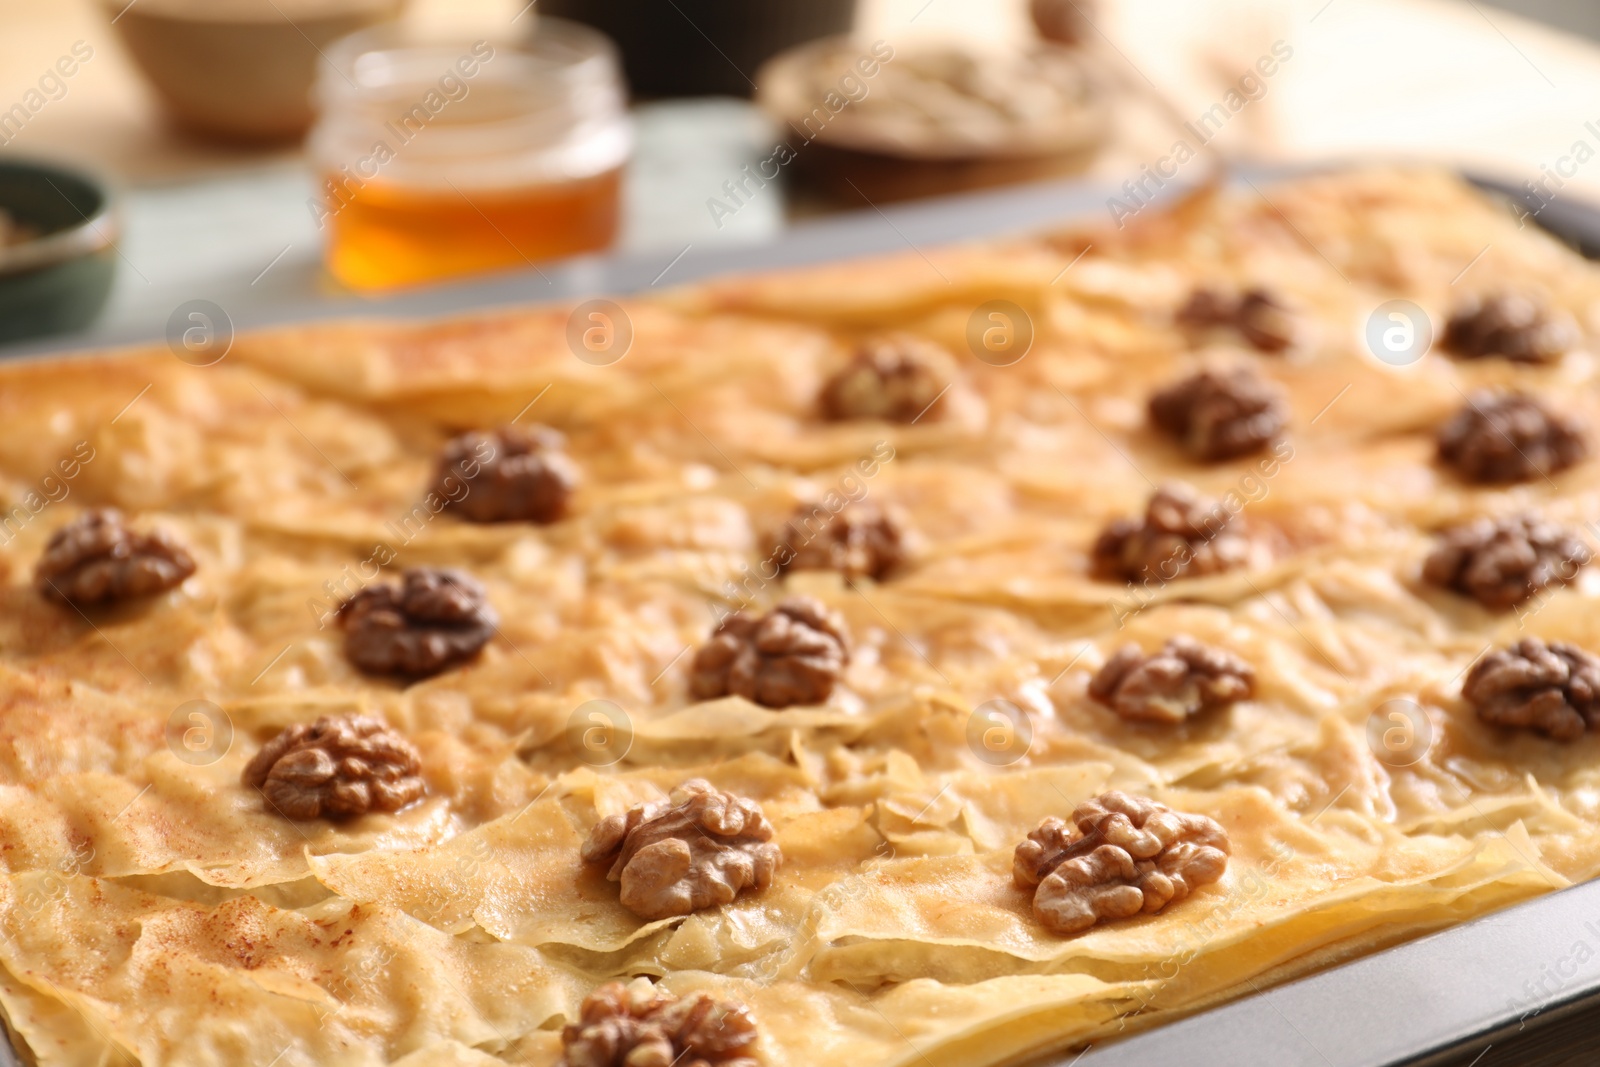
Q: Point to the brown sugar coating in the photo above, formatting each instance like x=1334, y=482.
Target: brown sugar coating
x=1503, y=562
x=1508, y=326
x=701, y=849
x=899, y=378
x=1121, y=855
x=861, y=541
x=96, y=558
x=512, y=474
x=434, y=619
x=794, y=654
x=628, y=1026
x=1497, y=439
x=1182, y=535
x=338, y=766
x=1218, y=415
x=1552, y=689
x=1182, y=679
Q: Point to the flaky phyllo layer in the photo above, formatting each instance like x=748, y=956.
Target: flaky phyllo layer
x=155, y=910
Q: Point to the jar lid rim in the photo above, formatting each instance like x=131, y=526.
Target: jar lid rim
x=565, y=51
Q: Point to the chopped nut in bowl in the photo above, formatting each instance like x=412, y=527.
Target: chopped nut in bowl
x=1508, y=326
x=861, y=541
x=1500, y=438
x=339, y=766
x=641, y=1025
x=434, y=619
x=700, y=849
x=1182, y=535
x=794, y=654
x=1180, y=680
x=936, y=116
x=898, y=378
x=1552, y=689
x=96, y=558
x=1122, y=855
x=1216, y=415
x=1503, y=562
x=507, y=475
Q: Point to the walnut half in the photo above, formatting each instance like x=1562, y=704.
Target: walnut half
x=1123, y=855
x=1553, y=689
x=96, y=558
x=1220, y=414
x=899, y=378
x=645, y=1026
x=343, y=765
x=1184, y=678
x=699, y=849
x=434, y=619
x=1503, y=562
x=507, y=475
x=1511, y=326
x=1182, y=535
x=1257, y=314
x=1497, y=439
x=794, y=654
x=862, y=541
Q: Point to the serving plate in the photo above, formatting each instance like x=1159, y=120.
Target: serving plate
x=1517, y=987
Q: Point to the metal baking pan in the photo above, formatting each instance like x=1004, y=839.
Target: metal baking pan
x=1517, y=988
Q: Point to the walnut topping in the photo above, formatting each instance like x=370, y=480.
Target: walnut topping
x=1220, y=414
x=96, y=558
x=862, y=541
x=338, y=766
x=1502, y=562
x=1128, y=854
x=1063, y=21
x=699, y=850
x=897, y=379
x=1510, y=326
x=508, y=475
x=1181, y=535
x=1256, y=313
x=1184, y=678
x=792, y=655
x=1509, y=437
x=434, y=619
x=645, y=1026
x=1550, y=688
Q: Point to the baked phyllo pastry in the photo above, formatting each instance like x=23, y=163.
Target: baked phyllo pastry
x=940, y=659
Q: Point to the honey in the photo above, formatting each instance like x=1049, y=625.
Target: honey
x=385, y=236
x=442, y=160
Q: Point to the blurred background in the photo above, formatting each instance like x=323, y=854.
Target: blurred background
x=269, y=156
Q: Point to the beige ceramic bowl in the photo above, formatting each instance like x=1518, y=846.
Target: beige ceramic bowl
x=239, y=70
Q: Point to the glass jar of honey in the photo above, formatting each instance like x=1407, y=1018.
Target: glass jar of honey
x=438, y=160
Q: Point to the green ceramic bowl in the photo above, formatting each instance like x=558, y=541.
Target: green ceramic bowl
x=57, y=281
